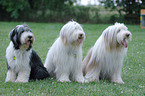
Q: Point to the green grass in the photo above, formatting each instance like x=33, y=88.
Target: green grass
x=45, y=33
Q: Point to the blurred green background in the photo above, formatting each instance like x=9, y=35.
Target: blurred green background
x=100, y=11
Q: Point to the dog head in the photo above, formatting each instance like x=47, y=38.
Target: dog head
x=22, y=37
x=117, y=35
x=72, y=33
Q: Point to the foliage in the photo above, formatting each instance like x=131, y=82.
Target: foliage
x=16, y=7
x=63, y=10
x=78, y=13
x=130, y=7
x=87, y=14
x=45, y=34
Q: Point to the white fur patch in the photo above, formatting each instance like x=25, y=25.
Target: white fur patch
x=18, y=61
x=65, y=56
x=24, y=37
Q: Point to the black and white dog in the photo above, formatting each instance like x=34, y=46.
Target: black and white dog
x=23, y=63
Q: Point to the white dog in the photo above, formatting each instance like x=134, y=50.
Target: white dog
x=23, y=62
x=65, y=56
x=105, y=58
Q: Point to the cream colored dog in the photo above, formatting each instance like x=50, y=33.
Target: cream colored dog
x=105, y=58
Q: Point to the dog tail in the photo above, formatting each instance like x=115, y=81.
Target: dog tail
x=86, y=61
x=38, y=71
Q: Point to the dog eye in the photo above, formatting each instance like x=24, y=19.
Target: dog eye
x=22, y=31
x=118, y=31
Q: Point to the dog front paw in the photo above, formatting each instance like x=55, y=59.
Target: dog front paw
x=80, y=79
x=120, y=81
x=64, y=80
x=21, y=80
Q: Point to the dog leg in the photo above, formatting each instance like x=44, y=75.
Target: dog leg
x=11, y=76
x=77, y=74
x=49, y=67
x=79, y=78
x=92, y=75
x=23, y=76
x=49, y=64
x=116, y=76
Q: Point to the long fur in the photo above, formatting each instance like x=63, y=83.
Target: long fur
x=105, y=59
x=64, y=59
x=23, y=62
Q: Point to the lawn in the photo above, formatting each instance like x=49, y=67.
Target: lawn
x=45, y=34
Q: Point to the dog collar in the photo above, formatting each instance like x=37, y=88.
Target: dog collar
x=14, y=58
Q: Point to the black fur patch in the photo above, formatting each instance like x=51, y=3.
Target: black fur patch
x=38, y=71
x=14, y=38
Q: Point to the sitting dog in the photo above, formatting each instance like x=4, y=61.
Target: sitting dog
x=23, y=62
x=64, y=59
x=105, y=58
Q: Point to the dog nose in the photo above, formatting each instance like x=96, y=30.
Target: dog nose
x=127, y=35
x=81, y=35
x=29, y=37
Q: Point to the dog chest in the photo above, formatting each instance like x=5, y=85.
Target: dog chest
x=18, y=59
x=111, y=62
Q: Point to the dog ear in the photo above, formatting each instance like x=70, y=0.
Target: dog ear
x=63, y=36
x=14, y=38
x=64, y=40
x=110, y=36
x=11, y=34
